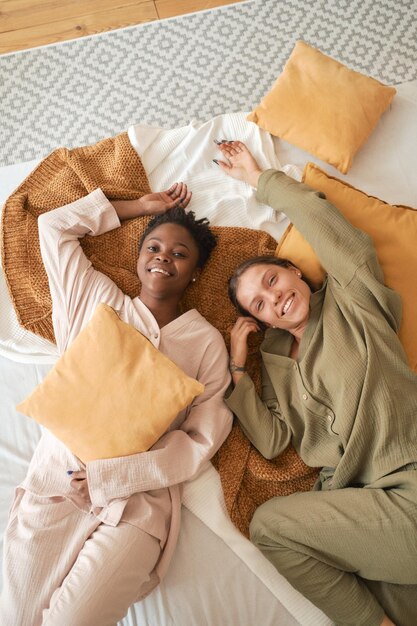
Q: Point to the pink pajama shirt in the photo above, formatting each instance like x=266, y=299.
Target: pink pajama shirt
x=137, y=496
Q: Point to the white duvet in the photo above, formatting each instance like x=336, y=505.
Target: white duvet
x=385, y=167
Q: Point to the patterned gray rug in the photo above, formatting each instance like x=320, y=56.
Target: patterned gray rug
x=196, y=66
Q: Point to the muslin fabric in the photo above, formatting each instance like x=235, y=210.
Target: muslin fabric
x=142, y=490
x=248, y=479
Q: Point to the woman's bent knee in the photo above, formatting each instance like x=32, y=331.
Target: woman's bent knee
x=265, y=523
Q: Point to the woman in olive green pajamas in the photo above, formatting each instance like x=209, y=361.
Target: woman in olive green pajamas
x=336, y=384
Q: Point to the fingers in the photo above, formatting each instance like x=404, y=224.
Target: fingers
x=242, y=164
x=245, y=325
x=77, y=475
x=242, y=328
x=239, y=339
x=180, y=195
x=186, y=201
x=171, y=190
x=176, y=190
x=222, y=164
x=82, y=488
x=79, y=482
x=231, y=148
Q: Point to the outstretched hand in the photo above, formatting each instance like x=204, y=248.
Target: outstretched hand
x=154, y=203
x=163, y=201
x=240, y=162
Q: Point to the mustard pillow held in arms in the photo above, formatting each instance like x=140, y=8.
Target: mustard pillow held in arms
x=322, y=106
x=112, y=393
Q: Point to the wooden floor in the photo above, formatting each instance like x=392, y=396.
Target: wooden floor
x=30, y=23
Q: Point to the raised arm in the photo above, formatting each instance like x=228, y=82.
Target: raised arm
x=153, y=203
x=346, y=253
x=180, y=454
x=76, y=287
x=341, y=247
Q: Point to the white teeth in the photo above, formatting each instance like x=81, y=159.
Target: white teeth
x=287, y=305
x=159, y=271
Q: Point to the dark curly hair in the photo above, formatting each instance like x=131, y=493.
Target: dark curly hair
x=199, y=229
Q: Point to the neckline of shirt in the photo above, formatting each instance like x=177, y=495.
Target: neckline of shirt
x=172, y=327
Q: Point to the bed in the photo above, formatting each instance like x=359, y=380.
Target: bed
x=217, y=576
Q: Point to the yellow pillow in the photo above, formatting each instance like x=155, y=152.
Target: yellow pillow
x=112, y=393
x=393, y=230
x=321, y=106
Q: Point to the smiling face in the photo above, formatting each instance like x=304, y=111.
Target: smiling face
x=167, y=261
x=275, y=295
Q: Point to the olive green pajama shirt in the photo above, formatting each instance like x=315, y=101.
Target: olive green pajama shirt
x=348, y=405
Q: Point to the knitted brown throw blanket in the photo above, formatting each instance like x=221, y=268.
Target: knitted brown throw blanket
x=112, y=164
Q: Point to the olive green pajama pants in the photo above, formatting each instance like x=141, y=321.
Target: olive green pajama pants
x=337, y=546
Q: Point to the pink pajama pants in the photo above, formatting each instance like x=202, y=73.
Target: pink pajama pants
x=62, y=567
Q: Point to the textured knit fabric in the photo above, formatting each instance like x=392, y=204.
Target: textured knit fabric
x=61, y=178
x=143, y=489
x=349, y=403
x=113, y=165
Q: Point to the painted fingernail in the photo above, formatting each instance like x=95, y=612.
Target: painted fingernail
x=217, y=142
x=215, y=161
x=69, y=472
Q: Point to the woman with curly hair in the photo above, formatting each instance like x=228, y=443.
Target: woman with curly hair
x=85, y=541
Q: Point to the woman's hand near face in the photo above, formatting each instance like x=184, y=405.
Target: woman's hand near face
x=239, y=343
x=241, y=164
x=153, y=203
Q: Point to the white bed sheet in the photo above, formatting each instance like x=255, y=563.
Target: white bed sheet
x=236, y=584
x=211, y=554
x=201, y=555
x=216, y=575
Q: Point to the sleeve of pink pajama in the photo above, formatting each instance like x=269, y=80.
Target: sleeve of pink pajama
x=76, y=287
x=178, y=455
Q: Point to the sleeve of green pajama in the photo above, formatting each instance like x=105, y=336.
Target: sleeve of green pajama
x=341, y=247
x=344, y=251
x=260, y=419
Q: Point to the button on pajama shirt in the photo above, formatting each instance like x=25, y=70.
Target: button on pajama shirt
x=75, y=562
x=348, y=404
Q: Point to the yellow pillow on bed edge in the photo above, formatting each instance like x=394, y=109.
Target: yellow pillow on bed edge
x=393, y=230
x=112, y=393
x=321, y=106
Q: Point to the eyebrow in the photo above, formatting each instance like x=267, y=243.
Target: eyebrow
x=176, y=243
x=262, y=280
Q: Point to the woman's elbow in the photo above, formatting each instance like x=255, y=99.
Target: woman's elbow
x=269, y=452
x=273, y=445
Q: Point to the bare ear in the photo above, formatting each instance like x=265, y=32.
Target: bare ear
x=295, y=270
